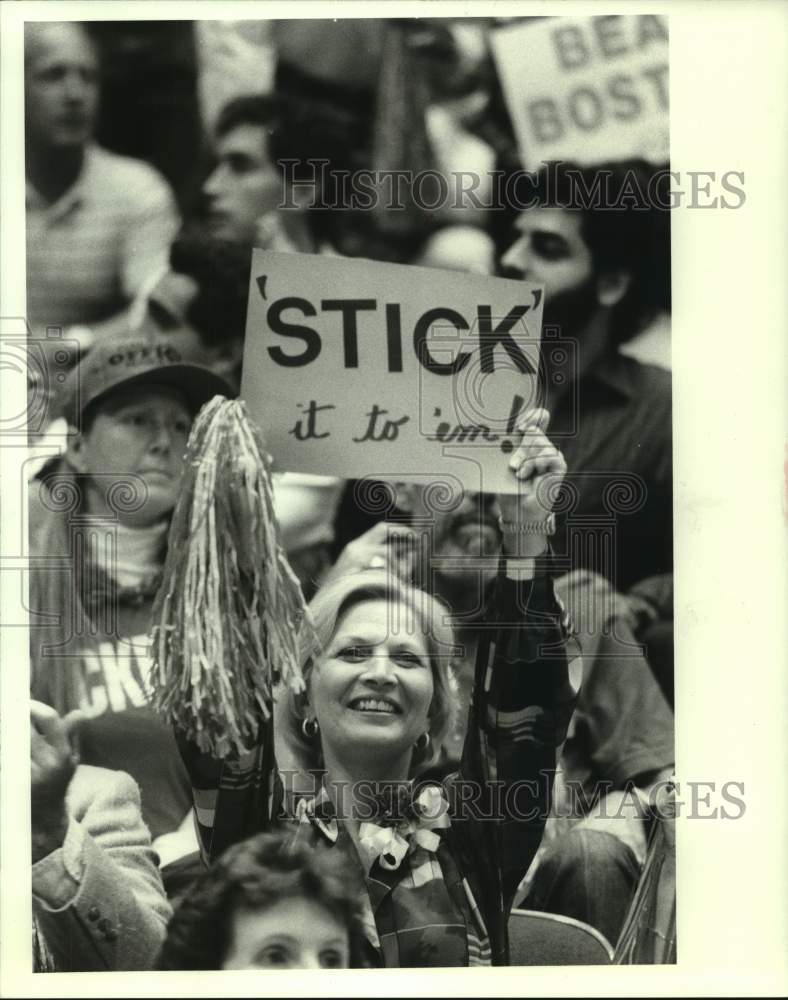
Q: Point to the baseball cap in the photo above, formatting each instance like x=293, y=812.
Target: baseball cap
x=144, y=356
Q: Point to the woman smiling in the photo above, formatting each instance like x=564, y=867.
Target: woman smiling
x=434, y=866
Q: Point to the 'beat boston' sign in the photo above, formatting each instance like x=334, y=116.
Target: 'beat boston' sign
x=587, y=89
x=355, y=368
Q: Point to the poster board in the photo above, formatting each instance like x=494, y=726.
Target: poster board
x=355, y=368
x=587, y=89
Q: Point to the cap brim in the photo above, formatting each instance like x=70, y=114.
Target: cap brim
x=198, y=385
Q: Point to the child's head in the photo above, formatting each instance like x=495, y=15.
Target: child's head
x=270, y=902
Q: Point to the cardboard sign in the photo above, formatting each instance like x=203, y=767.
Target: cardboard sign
x=355, y=368
x=587, y=89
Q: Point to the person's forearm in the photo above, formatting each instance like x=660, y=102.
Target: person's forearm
x=102, y=907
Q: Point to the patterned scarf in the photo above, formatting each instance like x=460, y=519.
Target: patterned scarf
x=409, y=824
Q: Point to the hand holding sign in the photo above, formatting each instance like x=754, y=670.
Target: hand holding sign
x=540, y=468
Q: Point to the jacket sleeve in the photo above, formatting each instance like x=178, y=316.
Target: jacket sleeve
x=519, y=714
x=99, y=900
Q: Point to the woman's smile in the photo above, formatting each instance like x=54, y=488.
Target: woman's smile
x=372, y=691
x=377, y=706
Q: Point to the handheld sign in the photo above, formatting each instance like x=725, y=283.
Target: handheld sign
x=587, y=89
x=355, y=368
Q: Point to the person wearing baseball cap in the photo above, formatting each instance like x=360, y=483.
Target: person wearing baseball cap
x=129, y=405
x=147, y=355
x=102, y=513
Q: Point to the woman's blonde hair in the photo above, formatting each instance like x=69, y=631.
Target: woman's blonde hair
x=339, y=596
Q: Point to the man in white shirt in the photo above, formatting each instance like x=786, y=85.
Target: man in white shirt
x=97, y=224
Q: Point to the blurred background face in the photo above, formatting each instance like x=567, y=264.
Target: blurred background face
x=291, y=934
x=468, y=531
x=461, y=557
x=61, y=85
x=244, y=186
x=139, y=431
x=550, y=249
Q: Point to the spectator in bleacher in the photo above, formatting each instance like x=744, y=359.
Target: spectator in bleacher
x=207, y=282
x=268, y=903
x=253, y=197
x=102, y=512
x=97, y=224
x=621, y=733
x=98, y=900
x=612, y=414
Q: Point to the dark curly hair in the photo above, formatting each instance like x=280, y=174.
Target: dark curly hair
x=255, y=874
x=304, y=132
x=623, y=224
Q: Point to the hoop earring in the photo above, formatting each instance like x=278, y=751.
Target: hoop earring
x=423, y=742
x=310, y=728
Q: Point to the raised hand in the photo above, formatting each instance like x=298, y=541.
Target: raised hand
x=539, y=468
x=52, y=765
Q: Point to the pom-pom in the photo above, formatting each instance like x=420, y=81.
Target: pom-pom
x=229, y=613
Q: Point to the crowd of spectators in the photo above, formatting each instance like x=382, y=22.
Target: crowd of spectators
x=157, y=156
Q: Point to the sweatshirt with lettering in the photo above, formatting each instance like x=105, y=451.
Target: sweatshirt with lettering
x=89, y=648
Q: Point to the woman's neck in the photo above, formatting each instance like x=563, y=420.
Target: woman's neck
x=351, y=785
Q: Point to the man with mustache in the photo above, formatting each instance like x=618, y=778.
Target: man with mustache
x=592, y=239
x=604, y=264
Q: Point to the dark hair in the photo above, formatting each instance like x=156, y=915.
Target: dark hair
x=299, y=130
x=319, y=139
x=621, y=224
x=250, y=109
x=255, y=874
x=220, y=269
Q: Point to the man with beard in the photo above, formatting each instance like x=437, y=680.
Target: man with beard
x=611, y=416
x=597, y=255
x=603, y=273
